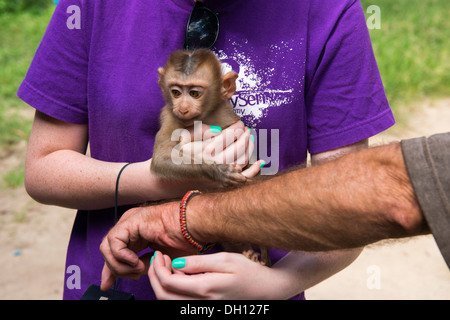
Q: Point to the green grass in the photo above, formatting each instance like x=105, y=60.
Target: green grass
x=412, y=48
x=20, y=35
x=14, y=178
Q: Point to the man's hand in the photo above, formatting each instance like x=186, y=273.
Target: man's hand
x=157, y=227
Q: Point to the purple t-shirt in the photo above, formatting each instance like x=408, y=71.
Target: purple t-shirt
x=308, y=81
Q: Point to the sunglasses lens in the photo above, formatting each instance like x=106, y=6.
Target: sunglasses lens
x=202, y=30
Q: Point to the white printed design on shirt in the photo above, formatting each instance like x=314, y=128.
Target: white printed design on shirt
x=259, y=89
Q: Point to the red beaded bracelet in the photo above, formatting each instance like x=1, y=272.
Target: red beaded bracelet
x=201, y=249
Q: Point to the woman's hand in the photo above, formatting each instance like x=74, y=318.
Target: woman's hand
x=216, y=276
x=209, y=144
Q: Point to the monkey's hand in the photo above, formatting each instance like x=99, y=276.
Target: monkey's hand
x=227, y=174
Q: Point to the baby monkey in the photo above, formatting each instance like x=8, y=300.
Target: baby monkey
x=195, y=90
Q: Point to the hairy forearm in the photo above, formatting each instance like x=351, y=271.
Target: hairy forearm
x=358, y=199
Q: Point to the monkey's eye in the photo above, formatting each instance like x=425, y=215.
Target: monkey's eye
x=194, y=93
x=175, y=93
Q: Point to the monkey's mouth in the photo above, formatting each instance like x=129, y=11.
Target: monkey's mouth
x=188, y=121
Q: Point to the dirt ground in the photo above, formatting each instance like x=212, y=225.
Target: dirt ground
x=34, y=237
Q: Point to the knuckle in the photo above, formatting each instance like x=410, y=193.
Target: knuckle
x=164, y=282
x=204, y=289
x=208, y=151
x=102, y=246
x=226, y=258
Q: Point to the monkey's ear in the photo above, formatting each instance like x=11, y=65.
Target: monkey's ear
x=229, y=85
x=161, y=72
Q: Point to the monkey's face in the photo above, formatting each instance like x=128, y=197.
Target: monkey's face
x=189, y=94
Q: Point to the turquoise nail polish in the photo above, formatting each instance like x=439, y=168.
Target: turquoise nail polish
x=215, y=129
x=262, y=164
x=179, y=263
x=253, y=138
x=153, y=256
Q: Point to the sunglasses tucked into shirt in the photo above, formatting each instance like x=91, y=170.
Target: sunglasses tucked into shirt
x=202, y=28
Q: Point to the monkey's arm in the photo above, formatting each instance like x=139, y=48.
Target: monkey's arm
x=168, y=161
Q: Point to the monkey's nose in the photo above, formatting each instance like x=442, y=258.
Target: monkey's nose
x=184, y=111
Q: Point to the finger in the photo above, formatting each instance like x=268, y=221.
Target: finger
x=146, y=262
x=162, y=293
x=239, y=152
x=216, y=262
x=168, y=285
x=229, y=135
x=237, y=125
x=114, y=268
x=233, y=133
x=107, y=278
x=228, y=146
x=203, y=131
x=201, y=272
x=254, y=169
x=118, y=244
x=201, y=137
x=167, y=261
x=211, y=132
x=245, y=157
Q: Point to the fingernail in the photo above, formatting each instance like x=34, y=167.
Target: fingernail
x=253, y=138
x=153, y=256
x=262, y=164
x=179, y=263
x=215, y=129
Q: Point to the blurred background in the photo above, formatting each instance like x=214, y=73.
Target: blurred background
x=412, y=48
